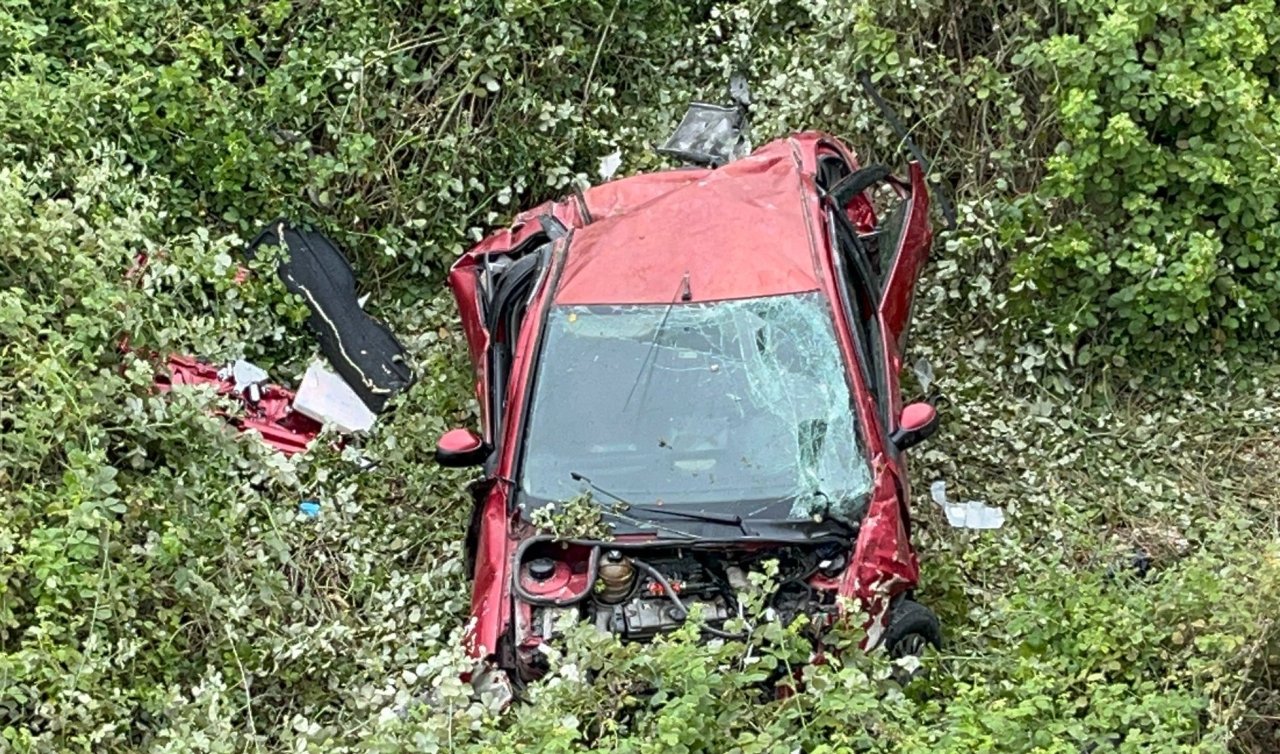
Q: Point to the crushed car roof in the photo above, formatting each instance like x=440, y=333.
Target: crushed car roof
x=742, y=230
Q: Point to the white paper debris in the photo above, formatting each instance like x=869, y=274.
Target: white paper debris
x=327, y=398
x=974, y=514
x=247, y=374
x=609, y=164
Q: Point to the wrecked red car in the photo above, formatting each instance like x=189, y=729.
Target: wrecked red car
x=712, y=355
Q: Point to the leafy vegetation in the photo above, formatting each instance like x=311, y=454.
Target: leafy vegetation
x=159, y=590
x=1167, y=181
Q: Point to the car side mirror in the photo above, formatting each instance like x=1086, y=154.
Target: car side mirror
x=459, y=448
x=916, y=424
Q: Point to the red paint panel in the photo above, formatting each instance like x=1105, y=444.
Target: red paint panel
x=490, y=596
x=739, y=231
x=884, y=564
x=913, y=251
x=464, y=283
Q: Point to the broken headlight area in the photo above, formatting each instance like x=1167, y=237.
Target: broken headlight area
x=637, y=592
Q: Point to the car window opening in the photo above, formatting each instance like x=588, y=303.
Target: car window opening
x=743, y=400
x=860, y=303
x=504, y=315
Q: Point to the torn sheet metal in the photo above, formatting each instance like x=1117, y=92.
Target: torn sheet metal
x=268, y=409
x=972, y=514
x=327, y=398
x=361, y=348
x=884, y=564
x=708, y=135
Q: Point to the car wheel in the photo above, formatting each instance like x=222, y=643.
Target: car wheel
x=912, y=628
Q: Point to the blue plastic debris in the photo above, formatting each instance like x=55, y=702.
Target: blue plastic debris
x=309, y=508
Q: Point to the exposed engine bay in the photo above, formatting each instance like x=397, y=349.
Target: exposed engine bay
x=639, y=591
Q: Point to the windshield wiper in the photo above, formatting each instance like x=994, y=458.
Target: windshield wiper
x=641, y=523
x=714, y=518
x=646, y=367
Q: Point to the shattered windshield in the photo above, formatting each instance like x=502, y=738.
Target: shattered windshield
x=742, y=400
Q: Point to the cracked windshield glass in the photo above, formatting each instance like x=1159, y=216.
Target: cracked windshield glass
x=742, y=400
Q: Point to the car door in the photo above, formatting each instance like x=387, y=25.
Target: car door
x=903, y=239
x=863, y=273
x=890, y=218
x=881, y=229
x=879, y=243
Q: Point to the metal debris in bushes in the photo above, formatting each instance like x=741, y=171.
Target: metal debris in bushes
x=267, y=409
x=709, y=135
x=370, y=360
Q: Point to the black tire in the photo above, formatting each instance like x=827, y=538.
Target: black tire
x=912, y=627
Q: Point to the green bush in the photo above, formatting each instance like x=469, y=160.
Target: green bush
x=409, y=123
x=160, y=592
x=1165, y=188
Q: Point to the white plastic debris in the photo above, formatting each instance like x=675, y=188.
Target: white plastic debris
x=327, y=398
x=248, y=376
x=973, y=514
x=493, y=686
x=924, y=373
x=609, y=164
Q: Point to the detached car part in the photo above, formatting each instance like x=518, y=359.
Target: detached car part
x=359, y=347
x=268, y=409
x=709, y=135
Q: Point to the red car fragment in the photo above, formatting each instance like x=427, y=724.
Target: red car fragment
x=271, y=415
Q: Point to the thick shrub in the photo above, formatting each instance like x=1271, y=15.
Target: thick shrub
x=1165, y=188
x=408, y=122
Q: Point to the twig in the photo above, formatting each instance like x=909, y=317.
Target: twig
x=244, y=681
x=604, y=34
x=105, y=541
